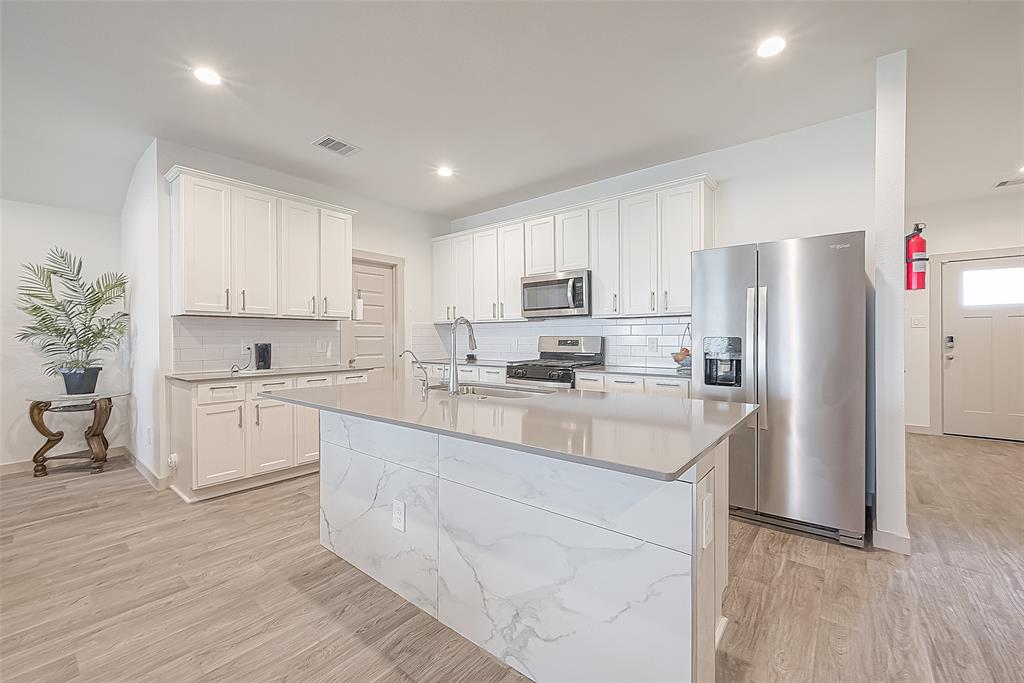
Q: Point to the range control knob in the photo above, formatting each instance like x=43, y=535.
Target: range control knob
x=519, y=372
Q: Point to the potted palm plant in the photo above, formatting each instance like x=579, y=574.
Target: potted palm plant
x=68, y=324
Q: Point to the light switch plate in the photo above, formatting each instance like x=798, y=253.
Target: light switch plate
x=398, y=515
x=919, y=321
x=321, y=346
x=652, y=344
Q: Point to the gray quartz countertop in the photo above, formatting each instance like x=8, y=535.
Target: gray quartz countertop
x=650, y=436
x=214, y=375
x=639, y=372
x=480, y=362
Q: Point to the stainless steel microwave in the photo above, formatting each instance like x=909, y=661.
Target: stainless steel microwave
x=556, y=294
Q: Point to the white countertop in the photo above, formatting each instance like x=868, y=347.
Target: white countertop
x=639, y=372
x=479, y=362
x=214, y=375
x=650, y=436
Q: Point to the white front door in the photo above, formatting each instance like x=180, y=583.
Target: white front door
x=983, y=347
x=370, y=342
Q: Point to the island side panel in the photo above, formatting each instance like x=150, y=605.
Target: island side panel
x=413, y=448
x=357, y=494
x=559, y=599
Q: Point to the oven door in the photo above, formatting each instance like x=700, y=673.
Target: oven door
x=556, y=294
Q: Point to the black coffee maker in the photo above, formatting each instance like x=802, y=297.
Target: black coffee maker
x=262, y=355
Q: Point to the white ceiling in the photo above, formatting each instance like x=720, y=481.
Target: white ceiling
x=520, y=98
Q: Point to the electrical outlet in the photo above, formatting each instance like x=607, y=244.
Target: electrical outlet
x=398, y=515
x=652, y=344
x=919, y=321
x=321, y=346
x=172, y=461
x=245, y=348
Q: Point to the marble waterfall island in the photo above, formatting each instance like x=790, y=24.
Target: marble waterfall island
x=576, y=536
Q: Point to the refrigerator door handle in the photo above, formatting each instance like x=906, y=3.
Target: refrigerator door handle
x=749, y=341
x=762, y=356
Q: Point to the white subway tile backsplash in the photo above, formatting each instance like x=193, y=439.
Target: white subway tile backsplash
x=216, y=343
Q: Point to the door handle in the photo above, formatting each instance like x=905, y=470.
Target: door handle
x=568, y=292
x=243, y=299
x=749, y=351
x=227, y=299
x=762, y=356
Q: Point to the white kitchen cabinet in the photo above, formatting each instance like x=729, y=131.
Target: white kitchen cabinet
x=300, y=249
x=202, y=248
x=511, y=269
x=307, y=423
x=685, y=228
x=220, y=443
x=485, y=275
x=468, y=374
x=271, y=436
x=491, y=375
x=624, y=385
x=539, y=240
x=254, y=237
x=572, y=240
x=639, y=247
x=462, y=260
x=361, y=377
x=444, y=279
x=604, y=259
x=667, y=386
x=589, y=381
x=335, y=265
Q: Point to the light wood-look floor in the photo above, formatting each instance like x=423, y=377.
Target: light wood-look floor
x=103, y=579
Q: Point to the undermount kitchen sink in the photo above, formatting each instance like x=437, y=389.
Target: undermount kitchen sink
x=488, y=391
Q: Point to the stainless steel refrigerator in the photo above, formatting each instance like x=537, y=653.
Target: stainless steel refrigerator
x=783, y=324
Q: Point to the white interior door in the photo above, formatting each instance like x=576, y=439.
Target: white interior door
x=254, y=229
x=983, y=348
x=370, y=342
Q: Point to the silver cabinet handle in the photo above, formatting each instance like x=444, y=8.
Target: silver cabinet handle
x=502, y=310
x=227, y=299
x=652, y=301
x=586, y=379
x=324, y=309
x=624, y=381
x=494, y=310
x=762, y=356
x=239, y=416
x=273, y=384
x=312, y=304
x=257, y=413
x=615, y=303
x=447, y=312
x=666, y=300
x=226, y=386
x=666, y=384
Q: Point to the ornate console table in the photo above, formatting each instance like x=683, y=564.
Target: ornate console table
x=99, y=403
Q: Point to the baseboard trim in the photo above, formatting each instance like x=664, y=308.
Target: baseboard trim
x=919, y=429
x=158, y=483
x=892, y=542
x=247, y=484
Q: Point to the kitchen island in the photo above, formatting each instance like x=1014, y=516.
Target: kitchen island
x=576, y=536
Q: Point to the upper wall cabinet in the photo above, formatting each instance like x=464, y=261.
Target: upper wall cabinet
x=443, y=280
x=604, y=258
x=540, y=246
x=243, y=250
x=485, y=275
x=685, y=225
x=511, y=269
x=572, y=240
x=462, y=260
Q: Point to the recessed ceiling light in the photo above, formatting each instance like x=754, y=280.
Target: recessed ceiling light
x=771, y=47
x=207, y=75
x=444, y=171
x=1021, y=170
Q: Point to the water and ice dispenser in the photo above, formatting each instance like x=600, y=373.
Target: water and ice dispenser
x=723, y=361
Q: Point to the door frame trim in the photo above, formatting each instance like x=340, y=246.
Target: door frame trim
x=936, y=425
x=397, y=266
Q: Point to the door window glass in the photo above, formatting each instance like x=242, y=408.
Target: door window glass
x=993, y=287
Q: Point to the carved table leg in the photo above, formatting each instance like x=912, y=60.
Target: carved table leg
x=94, y=434
x=35, y=414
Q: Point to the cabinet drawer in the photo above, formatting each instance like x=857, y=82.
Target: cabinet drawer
x=352, y=378
x=316, y=381
x=589, y=381
x=661, y=386
x=220, y=392
x=469, y=374
x=492, y=375
x=624, y=385
x=436, y=370
x=271, y=384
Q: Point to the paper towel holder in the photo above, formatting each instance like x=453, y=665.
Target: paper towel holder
x=357, y=309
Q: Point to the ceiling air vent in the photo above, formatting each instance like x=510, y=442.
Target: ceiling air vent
x=1010, y=183
x=337, y=146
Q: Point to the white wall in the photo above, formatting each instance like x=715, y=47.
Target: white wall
x=27, y=231
x=994, y=221
x=141, y=255
x=811, y=181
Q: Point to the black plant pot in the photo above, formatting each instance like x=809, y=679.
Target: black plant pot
x=80, y=381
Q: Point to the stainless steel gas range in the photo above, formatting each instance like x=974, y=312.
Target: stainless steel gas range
x=559, y=358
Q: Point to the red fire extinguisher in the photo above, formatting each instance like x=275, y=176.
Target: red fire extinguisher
x=917, y=257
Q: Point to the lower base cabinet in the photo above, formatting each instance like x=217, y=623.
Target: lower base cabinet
x=220, y=442
x=271, y=436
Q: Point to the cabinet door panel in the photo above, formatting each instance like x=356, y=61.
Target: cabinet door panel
x=307, y=424
x=206, y=248
x=443, y=280
x=511, y=269
x=639, y=245
x=272, y=436
x=335, y=265
x=220, y=443
x=254, y=228
x=462, y=257
x=604, y=258
x=300, y=231
x=485, y=275
x=540, y=246
x=572, y=240
x=679, y=218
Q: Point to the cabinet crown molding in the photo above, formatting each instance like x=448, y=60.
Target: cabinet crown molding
x=178, y=170
x=697, y=178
